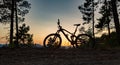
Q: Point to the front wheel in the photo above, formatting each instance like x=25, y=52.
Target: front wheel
x=84, y=41
x=52, y=41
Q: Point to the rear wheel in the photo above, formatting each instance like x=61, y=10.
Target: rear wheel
x=84, y=41
x=52, y=41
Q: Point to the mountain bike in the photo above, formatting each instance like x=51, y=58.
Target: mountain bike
x=54, y=40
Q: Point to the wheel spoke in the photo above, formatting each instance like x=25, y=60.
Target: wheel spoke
x=52, y=41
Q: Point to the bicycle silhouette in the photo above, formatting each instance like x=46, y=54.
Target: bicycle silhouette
x=54, y=40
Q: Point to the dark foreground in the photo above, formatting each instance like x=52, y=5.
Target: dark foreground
x=59, y=57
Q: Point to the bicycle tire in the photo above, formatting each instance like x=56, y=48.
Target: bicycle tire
x=56, y=43
x=84, y=41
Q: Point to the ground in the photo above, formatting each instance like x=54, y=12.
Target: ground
x=41, y=56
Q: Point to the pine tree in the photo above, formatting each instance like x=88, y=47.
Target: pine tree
x=24, y=37
x=11, y=10
x=88, y=9
x=116, y=18
x=106, y=13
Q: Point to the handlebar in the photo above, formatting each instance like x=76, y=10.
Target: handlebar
x=58, y=22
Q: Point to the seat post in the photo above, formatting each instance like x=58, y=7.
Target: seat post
x=75, y=30
x=76, y=27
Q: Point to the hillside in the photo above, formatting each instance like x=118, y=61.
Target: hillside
x=59, y=57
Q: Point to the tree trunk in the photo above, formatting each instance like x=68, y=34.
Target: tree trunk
x=93, y=19
x=107, y=18
x=93, y=24
x=16, y=24
x=12, y=23
x=109, y=30
x=116, y=19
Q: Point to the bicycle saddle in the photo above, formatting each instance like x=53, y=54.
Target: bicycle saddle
x=76, y=24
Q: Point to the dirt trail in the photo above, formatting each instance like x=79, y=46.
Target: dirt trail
x=59, y=57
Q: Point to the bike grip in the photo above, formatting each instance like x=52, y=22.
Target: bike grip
x=58, y=21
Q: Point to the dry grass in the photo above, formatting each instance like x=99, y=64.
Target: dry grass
x=30, y=56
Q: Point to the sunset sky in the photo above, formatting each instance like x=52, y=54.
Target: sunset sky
x=43, y=16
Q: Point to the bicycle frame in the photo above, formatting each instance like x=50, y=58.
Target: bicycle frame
x=80, y=40
x=66, y=36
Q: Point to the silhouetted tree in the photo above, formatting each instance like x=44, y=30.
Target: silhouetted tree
x=87, y=9
x=110, y=9
x=7, y=15
x=24, y=36
x=116, y=18
x=9, y=9
x=22, y=7
x=106, y=12
x=12, y=23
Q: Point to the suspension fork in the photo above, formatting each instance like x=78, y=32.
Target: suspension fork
x=57, y=33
